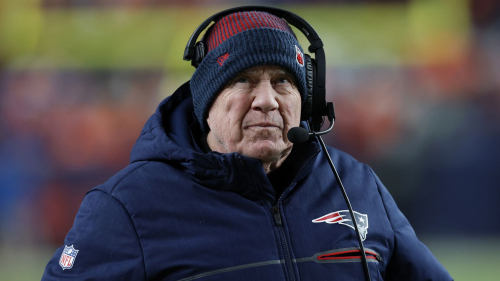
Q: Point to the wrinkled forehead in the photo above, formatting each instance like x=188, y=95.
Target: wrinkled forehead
x=266, y=69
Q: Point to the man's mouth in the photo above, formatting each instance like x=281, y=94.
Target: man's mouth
x=264, y=125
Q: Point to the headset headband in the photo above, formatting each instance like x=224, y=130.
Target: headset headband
x=291, y=18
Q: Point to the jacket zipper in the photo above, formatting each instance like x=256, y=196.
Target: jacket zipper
x=279, y=224
x=350, y=255
x=284, y=245
x=277, y=216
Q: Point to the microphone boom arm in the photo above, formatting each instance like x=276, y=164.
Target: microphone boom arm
x=349, y=206
x=332, y=121
x=330, y=112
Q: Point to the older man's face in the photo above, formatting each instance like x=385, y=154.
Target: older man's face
x=253, y=114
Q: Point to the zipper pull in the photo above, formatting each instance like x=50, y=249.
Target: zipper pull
x=277, y=215
x=379, y=258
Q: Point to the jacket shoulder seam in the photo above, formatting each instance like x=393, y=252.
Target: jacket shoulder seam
x=131, y=221
x=125, y=176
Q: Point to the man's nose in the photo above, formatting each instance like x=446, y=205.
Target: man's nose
x=265, y=97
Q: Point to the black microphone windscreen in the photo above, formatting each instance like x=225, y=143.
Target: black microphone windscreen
x=298, y=135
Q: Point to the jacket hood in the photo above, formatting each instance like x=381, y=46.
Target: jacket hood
x=168, y=137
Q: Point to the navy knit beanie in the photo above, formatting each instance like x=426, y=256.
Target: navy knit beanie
x=240, y=41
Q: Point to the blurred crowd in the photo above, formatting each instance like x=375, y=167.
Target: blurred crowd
x=62, y=132
x=431, y=132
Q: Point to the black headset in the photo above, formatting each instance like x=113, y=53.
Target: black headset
x=315, y=107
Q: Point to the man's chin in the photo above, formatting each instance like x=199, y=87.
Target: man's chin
x=265, y=150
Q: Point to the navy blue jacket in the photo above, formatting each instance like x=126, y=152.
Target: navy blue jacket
x=176, y=213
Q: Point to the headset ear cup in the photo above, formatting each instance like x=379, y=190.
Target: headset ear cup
x=306, y=112
x=199, y=53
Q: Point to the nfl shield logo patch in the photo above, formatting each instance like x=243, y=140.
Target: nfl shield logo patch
x=68, y=257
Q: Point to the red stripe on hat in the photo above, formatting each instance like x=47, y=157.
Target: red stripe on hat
x=261, y=20
x=213, y=38
x=245, y=21
x=211, y=42
x=219, y=33
x=225, y=33
x=233, y=24
x=271, y=21
x=254, y=16
x=241, y=22
x=268, y=20
x=228, y=25
x=279, y=24
x=215, y=34
x=247, y=18
x=264, y=18
x=236, y=22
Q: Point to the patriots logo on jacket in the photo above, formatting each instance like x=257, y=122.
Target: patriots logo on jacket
x=343, y=217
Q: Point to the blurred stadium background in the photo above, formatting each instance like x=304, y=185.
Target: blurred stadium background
x=416, y=85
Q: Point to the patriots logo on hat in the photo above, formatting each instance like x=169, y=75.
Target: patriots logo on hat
x=222, y=59
x=299, y=56
x=343, y=217
x=68, y=257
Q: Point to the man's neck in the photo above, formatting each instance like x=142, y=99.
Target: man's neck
x=270, y=166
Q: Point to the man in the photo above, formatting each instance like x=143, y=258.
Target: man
x=216, y=191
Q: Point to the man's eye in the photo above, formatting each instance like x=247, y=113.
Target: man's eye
x=283, y=80
x=241, y=80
